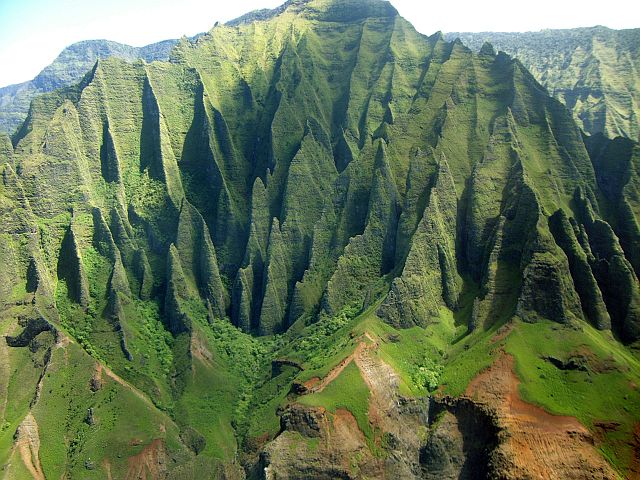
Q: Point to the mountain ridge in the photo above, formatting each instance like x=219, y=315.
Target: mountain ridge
x=247, y=259
x=591, y=70
x=68, y=68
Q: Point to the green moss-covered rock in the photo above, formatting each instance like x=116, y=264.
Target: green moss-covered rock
x=274, y=304
x=110, y=164
x=177, y=291
x=71, y=270
x=429, y=278
x=6, y=149
x=617, y=163
x=198, y=257
x=286, y=171
x=369, y=256
x=547, y=287
x=578, y=67
x=585, y=283
x=617, y=280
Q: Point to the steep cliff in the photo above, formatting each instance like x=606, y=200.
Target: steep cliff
x=263, y=255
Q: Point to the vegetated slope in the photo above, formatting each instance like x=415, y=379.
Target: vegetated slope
x=594, y=71
x=67, y=69
x=250, y=255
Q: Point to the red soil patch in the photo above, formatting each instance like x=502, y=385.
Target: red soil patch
x=538, y=445
x=353, y=444
x=346, y=429
x=336, y=371
x=502, y=333
x=312, y=383
x=150, y=463
x=634, y=468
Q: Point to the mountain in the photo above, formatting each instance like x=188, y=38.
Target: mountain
x=69, y=68
x=317, y=244
x=593, y=71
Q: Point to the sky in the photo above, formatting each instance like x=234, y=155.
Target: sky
x=33, y=32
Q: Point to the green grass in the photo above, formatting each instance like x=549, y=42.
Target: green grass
x=603, y=393
x=123, y=419
x=467, y=358
x=347, y=391
x=18, y=386
x=288, y=101
x=407, y=351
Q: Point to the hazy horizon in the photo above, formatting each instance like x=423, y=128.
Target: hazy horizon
x=34, y=32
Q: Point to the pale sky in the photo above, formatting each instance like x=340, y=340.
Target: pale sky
x=33, y=32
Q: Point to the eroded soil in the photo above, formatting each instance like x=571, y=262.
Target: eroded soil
x=537, y=444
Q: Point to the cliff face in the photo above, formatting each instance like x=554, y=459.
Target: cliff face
x=593, y=71
x=66, y=70
x=371, y=202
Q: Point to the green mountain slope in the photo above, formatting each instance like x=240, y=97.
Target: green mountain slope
x=67, y=69
x=593, y=71
x=299, y=248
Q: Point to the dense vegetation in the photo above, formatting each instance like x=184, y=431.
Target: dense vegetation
x=68, y=69
x=186, y=247
x=593, y=71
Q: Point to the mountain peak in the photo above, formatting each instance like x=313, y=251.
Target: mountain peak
x=324, y=10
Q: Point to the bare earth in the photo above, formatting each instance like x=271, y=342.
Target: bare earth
x=537, y=445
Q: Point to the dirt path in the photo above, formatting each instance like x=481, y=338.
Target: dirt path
x=387, y=412
x=538, y=445
x=113, y=376
x=150, y=463
x=316, y=385
x=383, y=385
x=382, y=381
x=28, y=445
x=385, y=406
x=107, y=468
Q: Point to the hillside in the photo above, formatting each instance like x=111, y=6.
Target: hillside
x=317, y=244
x=594, y=71
x=67, y=69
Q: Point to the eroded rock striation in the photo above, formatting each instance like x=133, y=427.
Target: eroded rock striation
x=322, y=187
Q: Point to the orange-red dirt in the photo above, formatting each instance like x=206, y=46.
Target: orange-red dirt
x=537, y=445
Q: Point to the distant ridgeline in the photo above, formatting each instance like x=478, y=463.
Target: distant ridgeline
x=281, y=177
x=591, y=70
x=594, y=71
x=67, y=69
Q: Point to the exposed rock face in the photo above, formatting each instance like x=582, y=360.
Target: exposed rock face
x=319, y=457
x=32, y=328
x=306, y=177
x=533, y=443
x=494, y=434
x=577, y=67
x=489, y=433
x=68, y=69
x=28, y=446
x=333, y=444
x=461, y=442
x=305, y=421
